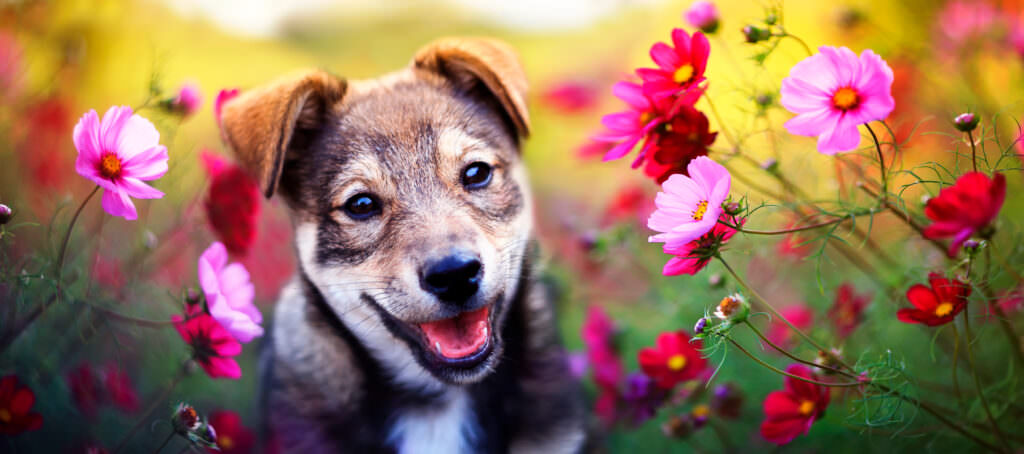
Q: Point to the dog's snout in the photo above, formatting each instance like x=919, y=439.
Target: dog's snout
x=454, y=278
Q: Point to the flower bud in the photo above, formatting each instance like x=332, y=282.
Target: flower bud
x=771, y=19
x=188, y=100
x=924, y=200
x=733, y=308
x=185, y=419
x=764, y=100
x=829, y=360
x=191, y=297
x=966, y=122
x=5, y=214
x=769, y=165
x=732, y=208
x=149, y=239
x=703, y=15
x=756, y=34
x=716, y=280
x=971, y=246
x=679, y=426
x=698, y=329
x=700, y=415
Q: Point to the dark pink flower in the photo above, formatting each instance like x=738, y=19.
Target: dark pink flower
x=847, y=312
x=16, y=401
x=232, y=436
x=966, y=208
x=673, y=359
x=10, y=66
x=799, y=315
x=120, y=389
x=703, y=14
x=189, y=99
x=629, y=127
x=223, y=96
x=692, y=257
x=232, y=203
x=85, y=391
x=570, y=96
x=213, y=347
x=936, y=304
x=631, y=203
x=680, y=66
x=963, y=20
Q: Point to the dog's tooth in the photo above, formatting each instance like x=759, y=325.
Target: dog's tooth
x=437, y=345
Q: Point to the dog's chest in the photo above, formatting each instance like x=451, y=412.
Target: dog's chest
x=449, y=427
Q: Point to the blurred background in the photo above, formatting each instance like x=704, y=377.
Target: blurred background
x=58, y=59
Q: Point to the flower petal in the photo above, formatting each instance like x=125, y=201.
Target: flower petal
x=117, y=203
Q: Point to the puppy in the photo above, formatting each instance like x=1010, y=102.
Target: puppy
x=415, y=323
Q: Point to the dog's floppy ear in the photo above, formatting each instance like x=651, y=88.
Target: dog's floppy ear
x=468, y=62
x=259, y=124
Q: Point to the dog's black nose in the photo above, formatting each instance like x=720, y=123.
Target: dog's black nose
x=453, y=279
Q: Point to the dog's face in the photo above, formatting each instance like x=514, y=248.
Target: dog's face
x=410, y=202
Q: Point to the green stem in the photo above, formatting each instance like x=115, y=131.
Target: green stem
x=802, y=43
x=956, y=352
x=977, y=384
x=164, y=444
x=782, y=372
x=785, y=231
x=152, y=407
x=776, y=313
x=974, y=151
x=794, y=357
x=881, y=165
x=67, y=234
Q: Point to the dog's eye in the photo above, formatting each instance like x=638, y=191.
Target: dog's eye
x=362, y=206
x=476, y=175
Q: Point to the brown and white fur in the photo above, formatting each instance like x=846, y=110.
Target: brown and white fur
x=347, y=367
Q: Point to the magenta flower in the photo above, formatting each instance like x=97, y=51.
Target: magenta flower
x=695, y=255
x=833, y=92
x=702, y=14
x=229, y=293
x=223, y=96
x=690, y=206
x=118, y=154
x=680, y=66
x=628, y=127
x=189, y=99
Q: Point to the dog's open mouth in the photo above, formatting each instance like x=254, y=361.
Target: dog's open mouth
x=463, y=340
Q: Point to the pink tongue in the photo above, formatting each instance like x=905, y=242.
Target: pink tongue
x=459, y=336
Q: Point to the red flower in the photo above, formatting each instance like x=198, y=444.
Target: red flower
x=232, y=436
x=232, y=203
x=570, y=96
x=673, y=359
x=44, y=143
x=85, y=393
x=686, y=137
x=645, y=120
x=848, y=310
x=15, y=403
x=119, y=389
x=799, y=315
x=679, y=67
x=966, y=208
x=630, y=203
x=791, y=412
x=937, y=305
x=212, y=345
x=606, y=406
x=695, y=255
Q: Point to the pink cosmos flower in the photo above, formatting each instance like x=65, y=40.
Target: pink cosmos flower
x=690, y=206
x=223, y=96
x=229, y=293
x=679, y=67
x=962, y=20
x=833, y=92
x=118, y=154
x=571, y=96
x=799, y=315
x=703, y=14
x=189, y=99
x=695, y=255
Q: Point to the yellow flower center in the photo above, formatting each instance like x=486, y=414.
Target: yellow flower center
x=702, y=208
x=943, y=309
x=225, y=442
x=5, y=415
x=806, y=407
x=110, y=166
x=677, y=362
x=701, y=411
x=684, y=74
x=845, y=98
